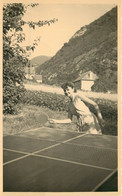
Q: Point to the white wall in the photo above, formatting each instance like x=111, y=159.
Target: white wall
x=86, y=85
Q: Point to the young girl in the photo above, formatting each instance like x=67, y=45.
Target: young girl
x=86, y=121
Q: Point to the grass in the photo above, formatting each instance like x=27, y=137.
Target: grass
x=26, y=120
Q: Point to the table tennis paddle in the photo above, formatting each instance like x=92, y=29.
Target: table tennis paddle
x=41, y=118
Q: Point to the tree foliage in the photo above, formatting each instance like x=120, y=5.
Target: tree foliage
x=15, y=57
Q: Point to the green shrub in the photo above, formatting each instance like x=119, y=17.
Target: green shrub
x=60, y=103
x=57, y=102
x=11, y=97
x=44, y=99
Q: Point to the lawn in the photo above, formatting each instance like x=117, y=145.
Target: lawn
x=26, y=119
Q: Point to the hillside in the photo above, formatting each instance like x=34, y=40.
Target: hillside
x=36, y=61
x=94, y=48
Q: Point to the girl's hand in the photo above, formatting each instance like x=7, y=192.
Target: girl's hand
x=102, y=122
x=51, y=121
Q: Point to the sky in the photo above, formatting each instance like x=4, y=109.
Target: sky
x=71, y=17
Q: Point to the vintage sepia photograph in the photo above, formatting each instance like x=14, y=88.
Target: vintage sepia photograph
x=60, y=89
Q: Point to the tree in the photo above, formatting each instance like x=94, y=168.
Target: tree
x=14, y=56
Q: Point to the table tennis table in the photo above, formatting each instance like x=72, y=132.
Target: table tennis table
x=56, y=160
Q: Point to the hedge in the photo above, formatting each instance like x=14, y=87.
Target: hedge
x=58, y=102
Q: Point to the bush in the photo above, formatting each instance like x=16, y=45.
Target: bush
x=44, y=99
x=11, y=97
x=60, y=103
x=57, y=102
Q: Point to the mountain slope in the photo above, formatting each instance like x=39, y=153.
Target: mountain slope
x=94, y=48
x=36, y=61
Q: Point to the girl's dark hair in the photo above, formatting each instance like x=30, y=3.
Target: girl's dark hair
x=68, y=84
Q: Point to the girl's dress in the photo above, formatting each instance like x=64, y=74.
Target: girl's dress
x=86, y=120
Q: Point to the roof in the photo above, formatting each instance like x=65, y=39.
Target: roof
x=86, y=76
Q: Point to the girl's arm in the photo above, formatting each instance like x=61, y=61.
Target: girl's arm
x=63, y=121
x=87, y=100
x=99, y=115
x=68, y=120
